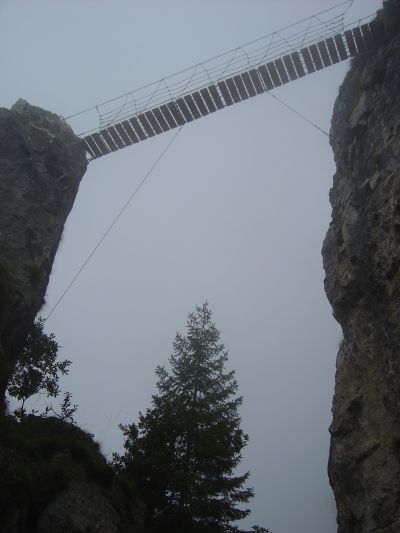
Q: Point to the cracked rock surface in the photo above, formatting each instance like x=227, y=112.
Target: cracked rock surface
x=361, y=256
x=79, y=509
x=41, y=165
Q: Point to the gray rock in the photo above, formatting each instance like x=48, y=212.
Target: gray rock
x=82, y=508
x=359, y=114
x=361, y=256
x=54, y=479
x=41, y=165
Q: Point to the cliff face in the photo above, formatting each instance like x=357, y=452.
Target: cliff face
x=362, y=263
x=53, y=477
x=41, y=165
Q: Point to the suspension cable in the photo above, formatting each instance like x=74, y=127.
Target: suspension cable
x=114, y=221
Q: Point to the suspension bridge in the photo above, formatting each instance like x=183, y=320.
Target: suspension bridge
x=252, y=69
x=281, y=57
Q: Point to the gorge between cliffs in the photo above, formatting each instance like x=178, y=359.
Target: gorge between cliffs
x=64, y=484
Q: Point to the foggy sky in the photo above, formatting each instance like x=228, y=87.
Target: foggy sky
x=235, y=214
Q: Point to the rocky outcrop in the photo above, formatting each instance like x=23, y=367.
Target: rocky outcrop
x=81, y=508
x=41, y=165
x=53, y=476
x=54, y=479
x=361, y=256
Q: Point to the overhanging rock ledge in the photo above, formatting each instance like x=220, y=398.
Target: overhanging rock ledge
x=41, y=165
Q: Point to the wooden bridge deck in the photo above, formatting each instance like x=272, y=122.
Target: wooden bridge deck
x=265, y=77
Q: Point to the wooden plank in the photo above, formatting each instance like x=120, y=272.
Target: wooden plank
x=338, y=38
x=240, y=87
x=115, y=137
x=122, y=133
x=153, y=122
x=225, y=93
x=233, y=90
x=266, y=77
x=184, y=109
x=248, y=84
x=255, y=78
x=366, y=32
x=146, y=125
x=89, y=151
x=168, y=117
x=350, y=42
x=323, y=51
x=130, y=132
x=316, y=57
x=100, y=143
x=200, y=103
x=298, y=65
x=281, y=70
x=305, y=52
x=274, y=74
x=216, y=97
x=92, y=148
x=179, y=118
x=192, y=106
x=208, y=100
x=361, y=48
x=287, y=60
x=137, y=128
x=330, y=43
x=161, y=120
x=109, y=140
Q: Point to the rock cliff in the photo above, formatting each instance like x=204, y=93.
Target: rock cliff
x=41, y=165
x=361, y=256
x=53, y=477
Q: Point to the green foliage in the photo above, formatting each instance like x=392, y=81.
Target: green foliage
x=38, y=371
x=67, y=409
x=184, y=450
x=42, y=456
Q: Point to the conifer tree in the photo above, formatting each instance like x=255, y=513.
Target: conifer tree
x=183, y=453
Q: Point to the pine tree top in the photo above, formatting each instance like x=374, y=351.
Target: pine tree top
x=183, y=453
